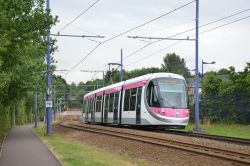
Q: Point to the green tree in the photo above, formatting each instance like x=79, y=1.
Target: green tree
x=212, y=84
x=23, y=27
x=22, y=46
x=140, y=72
x=175, y=64
x=227, y=100
x=223, y=72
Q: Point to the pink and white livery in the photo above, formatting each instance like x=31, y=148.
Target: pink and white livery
x=158, y=100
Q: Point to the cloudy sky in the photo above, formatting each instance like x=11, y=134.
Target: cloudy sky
x=228, y=45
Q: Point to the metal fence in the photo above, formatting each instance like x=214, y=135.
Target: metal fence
x=233, y=108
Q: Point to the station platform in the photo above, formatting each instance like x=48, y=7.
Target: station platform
x=23, y=148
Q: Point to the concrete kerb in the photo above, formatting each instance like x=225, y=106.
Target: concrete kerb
x=48, y=148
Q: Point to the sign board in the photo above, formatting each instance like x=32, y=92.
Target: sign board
x=48, y=91
x=48, y=104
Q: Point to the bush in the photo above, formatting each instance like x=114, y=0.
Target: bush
x=5, y=120
x=21, y=115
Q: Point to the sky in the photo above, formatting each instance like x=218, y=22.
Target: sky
x=227, y=46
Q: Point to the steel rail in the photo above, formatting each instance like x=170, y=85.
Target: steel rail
x=199, y=149
x=241, y=141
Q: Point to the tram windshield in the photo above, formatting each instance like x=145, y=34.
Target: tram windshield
x=167, y=93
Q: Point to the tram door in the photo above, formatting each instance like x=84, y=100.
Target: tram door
x=116, y=100
x=86, y=110
x=106, y=108
x=92, y=110
x=138, y=106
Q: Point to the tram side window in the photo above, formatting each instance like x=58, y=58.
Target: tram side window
x=85, y=106
x=116, y=100
x=151, y=96
x=89, y=109
x=126, y=100
x=132, y=99
x=93, y=100
x=88, y=103
x=139, y=97
x=111, y=100
x=91, y=105
x=106, y=102
x=98, y=103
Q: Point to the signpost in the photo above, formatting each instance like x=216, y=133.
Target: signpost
x=49, y=104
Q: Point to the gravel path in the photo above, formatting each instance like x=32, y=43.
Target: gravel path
x=153, y=155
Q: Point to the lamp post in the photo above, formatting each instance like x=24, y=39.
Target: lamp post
x=96, y=71
x=54, y=106
x=202, y=75
x=119, y=65
x=204, y=63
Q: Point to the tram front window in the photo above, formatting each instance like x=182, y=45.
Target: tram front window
x=167, y=93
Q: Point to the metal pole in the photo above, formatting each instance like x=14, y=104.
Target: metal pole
x=14, y=115
x=103, y=78
x=35, y=108
x=64, y=96
x=48, y=111
x=197, y=68
x=30, y=114
x=45, y=114
x=121, y=66
x=54, y=106
x=202, y=77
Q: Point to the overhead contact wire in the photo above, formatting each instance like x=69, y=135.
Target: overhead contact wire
x=78, y=16
x=149, y=21
x=191, y=35
x=183, y=32
x=84, y=58
x=127, y=31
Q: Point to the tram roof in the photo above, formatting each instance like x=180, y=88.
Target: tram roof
x=133, y=80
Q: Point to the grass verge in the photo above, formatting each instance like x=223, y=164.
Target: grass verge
x=240, y=131
x=71, y=153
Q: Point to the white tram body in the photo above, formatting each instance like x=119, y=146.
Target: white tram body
x=158, y=99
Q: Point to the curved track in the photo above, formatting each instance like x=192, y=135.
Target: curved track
x=194, y=148
x=234, y=140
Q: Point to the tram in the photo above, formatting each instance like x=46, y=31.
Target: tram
x=158, y=100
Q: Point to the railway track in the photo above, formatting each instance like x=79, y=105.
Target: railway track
x=238, y=157
x=240, y=141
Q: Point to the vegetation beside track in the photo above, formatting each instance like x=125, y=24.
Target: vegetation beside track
x=72, y=153
x=240, y=131
x=22, y=67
